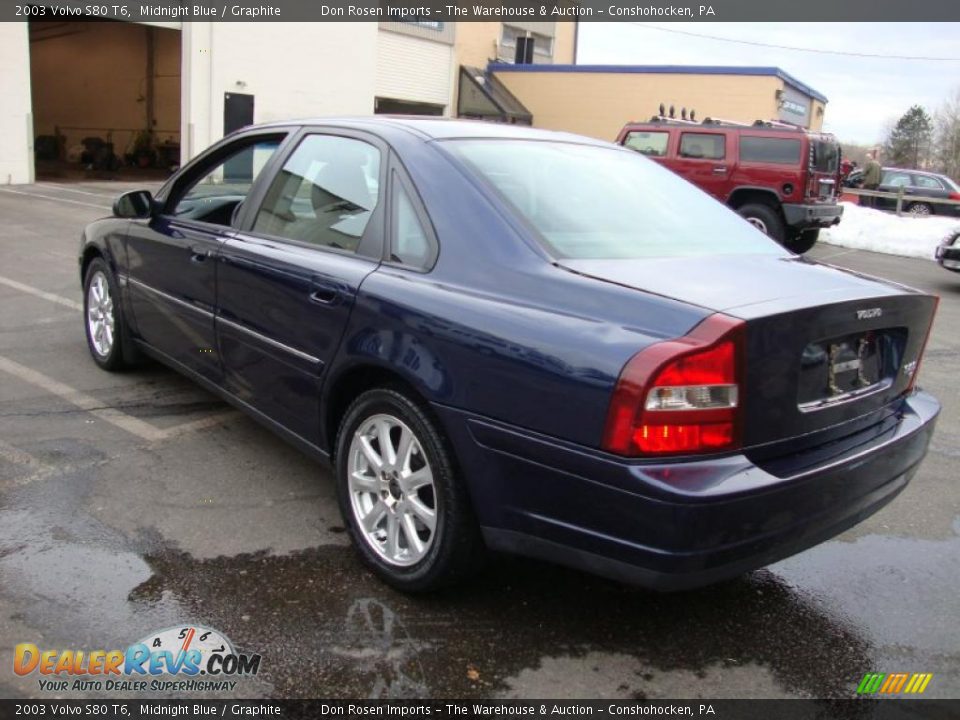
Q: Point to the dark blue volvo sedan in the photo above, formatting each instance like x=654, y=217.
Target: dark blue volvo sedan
x=521, y=341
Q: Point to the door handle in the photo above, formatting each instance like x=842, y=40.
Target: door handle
x=324, y=295
x=198, y=255
x=719, y=169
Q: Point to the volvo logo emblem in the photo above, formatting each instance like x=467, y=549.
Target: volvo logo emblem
x=869, y=313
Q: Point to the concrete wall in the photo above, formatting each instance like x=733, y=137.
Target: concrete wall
x=92, y=76
x=819, y=109
x=476, y=43
x=293, y=70
x=16, y=131
x=564, y=43
x=599, y=104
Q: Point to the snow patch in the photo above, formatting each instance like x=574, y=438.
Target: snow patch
x=878, y=231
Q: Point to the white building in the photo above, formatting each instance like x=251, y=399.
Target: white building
x=189, y=83
x=73, y=80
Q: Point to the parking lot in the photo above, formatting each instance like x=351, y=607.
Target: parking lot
x=135, y=502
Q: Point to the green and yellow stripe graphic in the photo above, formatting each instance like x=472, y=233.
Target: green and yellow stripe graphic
x=894, y=683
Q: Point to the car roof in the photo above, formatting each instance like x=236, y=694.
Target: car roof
x=434, y=128
x=915, y=171
x=437, y=128
x=723, y=126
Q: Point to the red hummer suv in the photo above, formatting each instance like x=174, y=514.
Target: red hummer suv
x=779, y=177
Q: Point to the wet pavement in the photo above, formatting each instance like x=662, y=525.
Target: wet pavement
x=136, y=502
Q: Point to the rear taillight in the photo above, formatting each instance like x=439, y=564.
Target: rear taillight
x=923, y=347
x=954, y=196
x=681, y=396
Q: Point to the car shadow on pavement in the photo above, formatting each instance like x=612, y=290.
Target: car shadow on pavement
x=327, y=628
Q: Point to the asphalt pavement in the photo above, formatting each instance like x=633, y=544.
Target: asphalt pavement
x=135, y=502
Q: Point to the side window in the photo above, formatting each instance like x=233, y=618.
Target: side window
x=896, y=179
x=778, y=151
x=925, y=181
x=325, y=193
x=218, y=193
x=411, y=244
x=707, y=146
x=652, y=144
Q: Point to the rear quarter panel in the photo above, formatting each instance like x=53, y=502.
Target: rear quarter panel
x=496, y=329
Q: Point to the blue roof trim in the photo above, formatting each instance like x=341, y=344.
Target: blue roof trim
x=666, y=70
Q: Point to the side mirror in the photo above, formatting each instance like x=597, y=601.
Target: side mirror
x=134, y=204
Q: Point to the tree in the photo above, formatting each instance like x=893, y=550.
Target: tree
x=908, y=144
x=947, y=137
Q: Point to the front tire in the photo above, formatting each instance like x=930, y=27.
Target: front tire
x=107, y=336
x=402, y=500
x=802, y=241
x=766, y=219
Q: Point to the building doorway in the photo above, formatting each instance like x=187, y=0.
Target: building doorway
x=106, y=99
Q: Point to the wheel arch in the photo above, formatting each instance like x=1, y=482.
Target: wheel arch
x=348, y=383
x=90, y=253
x=93, y=245
x=745, y=195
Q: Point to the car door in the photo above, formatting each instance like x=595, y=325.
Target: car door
x=652, y=143
x=172, y=255
x=288, y=279
x=891, y=182
x=704, y=159
x=931, y=187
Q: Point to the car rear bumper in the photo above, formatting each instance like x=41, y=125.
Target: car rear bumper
x=945, y=209
x=816, y=215
x=949, y=257
x=673, y=526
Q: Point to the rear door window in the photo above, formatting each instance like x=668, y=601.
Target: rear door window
x=411, y=243
x=652, y=144
x=325, y=193
x=925, y=181
x=776, y=151
x=703, y=146
x=896, y=179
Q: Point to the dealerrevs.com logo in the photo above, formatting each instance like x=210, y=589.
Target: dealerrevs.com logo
x=187, y=658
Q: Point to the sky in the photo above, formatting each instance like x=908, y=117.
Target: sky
x=866, y=95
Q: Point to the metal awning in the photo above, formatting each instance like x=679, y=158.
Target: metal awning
x=483, y=96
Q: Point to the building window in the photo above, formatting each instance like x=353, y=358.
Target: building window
x=428, y=24
x=542, y=44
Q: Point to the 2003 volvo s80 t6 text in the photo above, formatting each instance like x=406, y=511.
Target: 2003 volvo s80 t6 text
x=523, y=341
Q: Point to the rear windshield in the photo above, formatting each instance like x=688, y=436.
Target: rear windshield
x=778, y=151
x=590, y=202
x=826, y=156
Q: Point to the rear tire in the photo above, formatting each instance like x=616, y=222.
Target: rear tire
x=920, y=209
x=107, y=336
x=407, y=511
x=802, y=241
x=766, y=219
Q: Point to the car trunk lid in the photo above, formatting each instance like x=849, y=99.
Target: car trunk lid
x=824, y=347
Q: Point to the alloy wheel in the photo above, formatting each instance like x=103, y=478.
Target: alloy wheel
x=758, y=223
x=392, y=493
x=100, y=317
